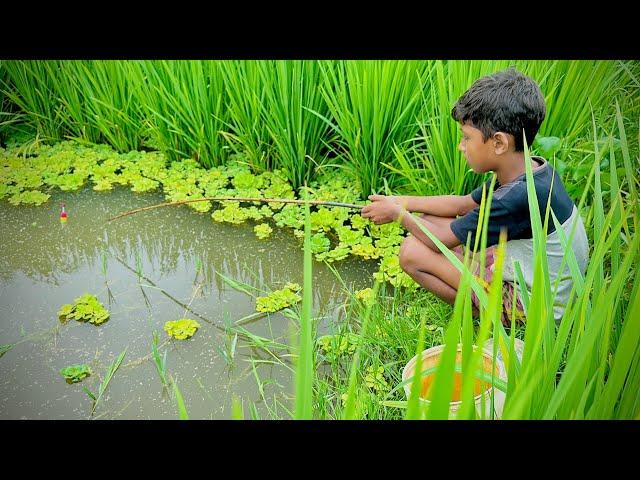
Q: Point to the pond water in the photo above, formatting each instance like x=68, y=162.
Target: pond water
x=147, y=269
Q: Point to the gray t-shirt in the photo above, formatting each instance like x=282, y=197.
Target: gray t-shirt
x=510, y=210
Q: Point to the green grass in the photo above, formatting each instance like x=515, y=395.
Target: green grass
x=160, y=362
x=291, y=94
x=434, y=165
x=182, y=409
x=374, y=106
x=305, y=368
x=105, y=382
x=185, y=105
x=383, y=121
x=584, y=368
x=247, y=133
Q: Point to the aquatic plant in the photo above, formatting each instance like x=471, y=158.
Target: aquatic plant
x=105, y=383
x=338, y=344
x=231, y=213
x=319, y=243
x=86, y=308
x=75, y=373
x=5, y=348
x=262, y=231
x=374, y=379
x=182, y=409
x=29, y=197
x=279, y=299
x=160, y=362
x=339, y=253
x=181, y=329
x=365, y=295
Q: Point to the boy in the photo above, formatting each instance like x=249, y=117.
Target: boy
x=492, y=114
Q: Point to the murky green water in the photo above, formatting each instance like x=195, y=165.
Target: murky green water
x=44, y=264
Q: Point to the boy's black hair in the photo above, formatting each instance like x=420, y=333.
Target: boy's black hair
x=507, y=101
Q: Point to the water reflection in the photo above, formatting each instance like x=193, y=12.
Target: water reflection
x=147, y=269
x=35, y=243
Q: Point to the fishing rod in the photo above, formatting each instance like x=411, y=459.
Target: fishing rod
x=234, y=199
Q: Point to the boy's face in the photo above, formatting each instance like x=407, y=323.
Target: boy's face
x=479, y=154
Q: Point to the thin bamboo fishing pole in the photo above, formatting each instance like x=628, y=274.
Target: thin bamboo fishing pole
x=223, y=199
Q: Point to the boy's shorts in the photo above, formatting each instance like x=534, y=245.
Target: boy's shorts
x=508, y=292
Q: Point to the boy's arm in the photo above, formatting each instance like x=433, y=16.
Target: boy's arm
x=438, y=205
x=387, y=209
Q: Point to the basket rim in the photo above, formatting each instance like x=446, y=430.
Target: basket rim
x=438, y=348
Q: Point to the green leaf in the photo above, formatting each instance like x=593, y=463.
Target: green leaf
x=182, y=410
x=548, y=145
x=5, y=348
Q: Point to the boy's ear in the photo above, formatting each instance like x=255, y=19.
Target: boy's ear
x=501, y=142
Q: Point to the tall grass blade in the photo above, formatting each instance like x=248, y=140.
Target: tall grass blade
x=304, y=369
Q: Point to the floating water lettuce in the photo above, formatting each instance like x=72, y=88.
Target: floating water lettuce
x=263, y=230
x=7, y=190
x=374, y=379
x=350, y=237
x=336, y=345
x=75, y=373
x=391, y=271
x=102, y=184
x=181, y=329
x=294, y=287
x=30, y=197
x=365, y=250
x=86, y=308
x=323, y=219
x=231, y=213
x=339, y=253
x=279, y=299
x=358, y=222
x=245, y=180
x=289, y=216
x=365, y=295
x=143, y=184
x=319, y=243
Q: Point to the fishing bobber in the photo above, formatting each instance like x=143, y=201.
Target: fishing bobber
x=63, y=214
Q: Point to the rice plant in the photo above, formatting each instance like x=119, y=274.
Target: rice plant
x=374, y=106
x=247, y=133
x=185, y=102
x=433, y=165
x=32, y=89
x=103, y=97
x=291, y=94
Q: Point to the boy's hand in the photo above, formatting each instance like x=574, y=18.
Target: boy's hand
x=383, y=209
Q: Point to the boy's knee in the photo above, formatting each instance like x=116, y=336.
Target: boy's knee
x=409, y=254
x=403, y=255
